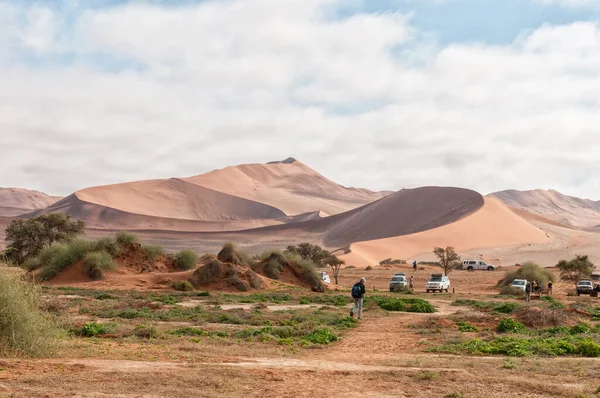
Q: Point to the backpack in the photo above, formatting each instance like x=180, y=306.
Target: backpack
x=356, y=290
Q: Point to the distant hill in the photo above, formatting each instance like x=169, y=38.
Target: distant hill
x=16, y=201
x=234, y=198
x=568, y=210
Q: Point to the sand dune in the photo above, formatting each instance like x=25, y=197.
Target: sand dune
x=16, y=201
x=493, y=225
x=569, y=210
x=288, y=185
x=175, y=198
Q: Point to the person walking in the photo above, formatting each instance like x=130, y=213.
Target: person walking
x=358, y=293
x=411, y=287
x=550, y=288
x=414, y=265
x=528, y=292
x=532, y=285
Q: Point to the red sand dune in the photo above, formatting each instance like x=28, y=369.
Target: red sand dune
x=16, y=201
x=289, y=185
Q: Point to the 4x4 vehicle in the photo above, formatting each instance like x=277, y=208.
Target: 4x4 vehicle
x=438, y=282
x=397, y=280
x=324, y=277
x=519, y=284
x=585, y=287
x=475, y=265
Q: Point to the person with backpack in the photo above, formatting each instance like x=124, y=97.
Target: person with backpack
x=358, y=292
x=414, y=265
x=527, y=292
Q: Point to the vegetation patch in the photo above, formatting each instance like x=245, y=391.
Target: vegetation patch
x=186, y=260
x=94, y=264
x=402, y=304
x=182, y=286
x=529, y=271
x=502, y=308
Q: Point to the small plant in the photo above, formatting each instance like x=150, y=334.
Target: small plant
x=509, y=364
x=182, y=286
x=153, y=252
x=465, y=327
x=369, y=268
x=108, y=245
x=145, y=332
x=126, y=238
x=94, y=264
x=509, y=325
x=426, y=376
x=92, y=329
x=185, y=260
x=453, y=395
x=321, y=336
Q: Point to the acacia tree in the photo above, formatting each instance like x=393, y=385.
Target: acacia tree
x=311, y=252
x=447, y=258
x=26, y=238
x=576, y=269
x=335, y=264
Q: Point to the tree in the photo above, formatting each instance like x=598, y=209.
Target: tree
x=26, y=238
x=311, y=252
x=335, y=264
x=448, y=258
x=576, y=269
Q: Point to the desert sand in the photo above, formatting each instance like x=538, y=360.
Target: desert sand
x=569, y=210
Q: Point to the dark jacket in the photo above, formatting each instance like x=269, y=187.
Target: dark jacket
x=528, y=288
x=363, y=289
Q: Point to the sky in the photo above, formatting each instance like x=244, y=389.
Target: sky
x=380, y=94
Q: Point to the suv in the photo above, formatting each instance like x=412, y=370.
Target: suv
x=519, y=284
x=438, y=282
x=474, y=265
x=585, y=287
x=397, y=280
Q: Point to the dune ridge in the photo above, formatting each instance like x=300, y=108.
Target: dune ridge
x=17, y=201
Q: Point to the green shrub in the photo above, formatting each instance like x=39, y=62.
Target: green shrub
x=529, y=271
x=60, y=256
x=229, y=254
x=182, y=286
x=145, y=332
x=185, y=260
x=580, y=328
x=465, y=327
x=511, y=291
x=152, y=251
x=24, y=329
x=92, y=329
x=506, y=308
x=108, y=245
x=509, y=325
x=94, y=264
x=189, y=331
x=321, y=336
x=402, y=304
x=126, y=238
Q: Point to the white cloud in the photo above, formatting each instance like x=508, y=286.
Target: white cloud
x=154, y=91
x=569, y=3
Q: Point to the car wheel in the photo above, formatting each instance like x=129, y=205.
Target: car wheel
x=490, y=268
x=447, y=290
x=427, y=291
x=469, y=268
x=578, y=294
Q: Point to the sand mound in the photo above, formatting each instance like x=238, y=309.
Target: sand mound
x=134, y=259
x=569, y=210
x=494, y=225
x=277, y=267
x=288, y=185
x=16, y=201
x=216, y=275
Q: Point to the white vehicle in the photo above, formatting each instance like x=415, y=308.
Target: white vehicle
x=476, y=265
x=324, y=277
x=398, y=280
x=520, y=284
x=438, y=282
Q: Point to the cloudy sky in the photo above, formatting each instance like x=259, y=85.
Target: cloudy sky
x=383, y=94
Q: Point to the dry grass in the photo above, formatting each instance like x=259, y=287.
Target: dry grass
x=537, y=318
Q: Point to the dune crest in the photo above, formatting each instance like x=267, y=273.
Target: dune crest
x=17, y=201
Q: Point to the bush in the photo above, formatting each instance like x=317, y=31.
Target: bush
x=535, y=317
x=185, y=260
x=509, y=325
x=145, y=332
x=108, y=245
x=465, y=327
x=403, y=304
x=256, y=282
x=94, y=264
x=182, y=286
x=241, y=285
x=229, y=254
x=60, y=256
x=529, y=271
x=511, y=291
x=402, y=289
x=92, y=329
x=154, y=252
x=321, y=336
x=24, y=329
x=369, y=268
x=126, y=238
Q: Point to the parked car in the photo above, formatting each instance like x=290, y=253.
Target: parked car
x=476, y=265
x=438, y=282
x=585, y=287
x=520, y=284
x=324, y=277
x=398, y=280
x=595, y=277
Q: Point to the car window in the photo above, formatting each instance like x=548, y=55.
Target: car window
x=482, y=263
x=519, y=283
x=472, y=262
x=436, y=279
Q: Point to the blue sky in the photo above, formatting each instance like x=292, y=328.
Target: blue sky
x=383, y=94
